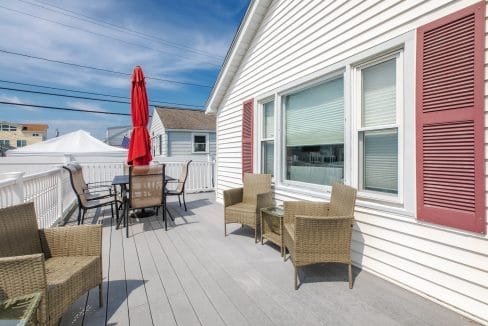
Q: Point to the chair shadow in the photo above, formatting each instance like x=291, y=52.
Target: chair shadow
x=326, y=272
x=116, y=294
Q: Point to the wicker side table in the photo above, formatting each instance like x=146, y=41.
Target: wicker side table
x=272, y=225
x=20, y=310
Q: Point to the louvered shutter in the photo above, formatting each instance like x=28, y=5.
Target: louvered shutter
x=247, y=136
x=450, y=120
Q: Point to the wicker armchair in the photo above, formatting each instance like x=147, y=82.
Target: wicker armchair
x=61, y=263
x=243, y=205
x=318, y=232
x=180, y=188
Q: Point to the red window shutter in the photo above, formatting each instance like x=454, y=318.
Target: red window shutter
x=247, y=136
x=450, y=120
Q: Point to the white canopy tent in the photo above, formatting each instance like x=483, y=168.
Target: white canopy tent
x=78, y=143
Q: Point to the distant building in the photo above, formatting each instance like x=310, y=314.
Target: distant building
x=115, y=135
x=15, y=135
x=177, y=132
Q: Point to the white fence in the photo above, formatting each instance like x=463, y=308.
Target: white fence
x=50, y=191
x=53, y=196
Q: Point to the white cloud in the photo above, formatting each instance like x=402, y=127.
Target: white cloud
x=86, y=106
x=9, y=98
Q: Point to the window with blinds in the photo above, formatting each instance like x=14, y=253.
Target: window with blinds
x=314, y=133
x=267, y=138
x=378, y=133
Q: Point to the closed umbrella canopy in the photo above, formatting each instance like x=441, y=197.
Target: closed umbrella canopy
x=139, y=147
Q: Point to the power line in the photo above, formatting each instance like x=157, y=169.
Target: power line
x=63, y=109
x=105, y=24
x=88, y=98
x=95, y=33
x=154, y=101
x=99, y=69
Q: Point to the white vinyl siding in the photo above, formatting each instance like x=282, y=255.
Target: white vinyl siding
x=180, y=143
x=157, y=129
x=295, y=42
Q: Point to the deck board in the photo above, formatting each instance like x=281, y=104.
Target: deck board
x=193, y=275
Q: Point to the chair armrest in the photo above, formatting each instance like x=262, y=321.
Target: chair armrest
x=21, y=275
x=82, y=240
x=233, y=196
x=310, y=208
x=264, y=200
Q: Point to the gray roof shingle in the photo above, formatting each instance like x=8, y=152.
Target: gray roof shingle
x=188, y=119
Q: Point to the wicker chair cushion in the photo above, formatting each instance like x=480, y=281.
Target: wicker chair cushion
x=290, y=229
x=18, y=231
x=59, y=270
x=241, y=208
x=255, y=184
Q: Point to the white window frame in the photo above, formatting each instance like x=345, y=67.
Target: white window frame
x=193, y=143
x=404, y=203
x=259, y=139
x=356, y=114
x=281, y=136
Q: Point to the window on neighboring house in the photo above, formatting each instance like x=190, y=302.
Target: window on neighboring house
x=4, y=143
x=160, y=139
x=378, y=127
x=314, y=133
x=199, y=143
x=21, y=142
x=35, y=134
x=267, y=138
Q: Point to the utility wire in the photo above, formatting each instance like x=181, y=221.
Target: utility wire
x=154, y=102
x=87, y=98
x=63, y=109
x=95, y=33
x=105, y=24
x=99, y=69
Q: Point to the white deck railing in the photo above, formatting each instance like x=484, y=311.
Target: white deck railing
x=53, y=196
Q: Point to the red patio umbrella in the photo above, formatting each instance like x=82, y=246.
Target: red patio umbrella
x=140, y=146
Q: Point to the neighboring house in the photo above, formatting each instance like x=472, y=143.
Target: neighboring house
x=177, y=132
x=115, y=135
x=386, y=96
x=15, y=135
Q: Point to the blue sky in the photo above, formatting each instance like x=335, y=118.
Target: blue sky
x=183, y=40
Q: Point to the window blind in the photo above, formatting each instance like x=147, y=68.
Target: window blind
x=381, y=160
x=379, y=94
x=268, y=116
x=315, y=116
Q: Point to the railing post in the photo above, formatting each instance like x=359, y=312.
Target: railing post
x=59, y=179
x=18, y=193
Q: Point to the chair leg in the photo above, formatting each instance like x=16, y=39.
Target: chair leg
x=127, y=222
x=184, y=201
x=165, y=219
x=112, y=209
x=100, y=294
x=256, y=234
x=179, y=200
x=350, y=276
x=83, y=216
x=79, y=215
x=116, y=212
x=225, y=229
x=296, y=278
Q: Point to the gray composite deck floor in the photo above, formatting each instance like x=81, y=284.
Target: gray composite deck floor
x=193, y=275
